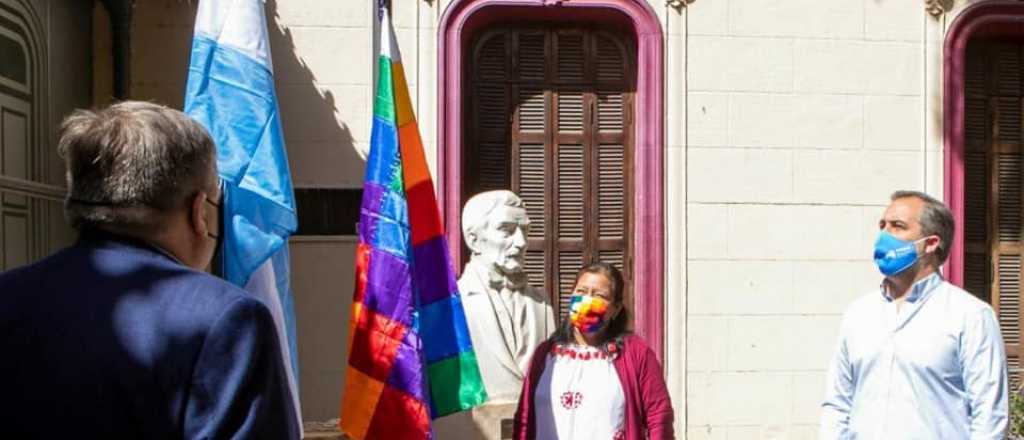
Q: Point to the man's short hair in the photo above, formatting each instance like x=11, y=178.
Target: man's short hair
x=936, y=219
x=477, y=209
x=131, y=162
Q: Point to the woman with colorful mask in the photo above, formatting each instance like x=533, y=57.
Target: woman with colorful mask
x=592, y=379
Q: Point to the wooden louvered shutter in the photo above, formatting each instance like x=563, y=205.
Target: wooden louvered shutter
x=568, y=133
x=529, y=146
x=992, y=184
x=488, y=122
x=612, y=122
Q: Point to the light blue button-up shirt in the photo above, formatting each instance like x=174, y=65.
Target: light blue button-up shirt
x=933, y=369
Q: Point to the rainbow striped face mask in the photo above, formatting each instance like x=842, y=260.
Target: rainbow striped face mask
x=587, y=313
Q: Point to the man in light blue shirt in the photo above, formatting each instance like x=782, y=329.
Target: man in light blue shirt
x=920, y=358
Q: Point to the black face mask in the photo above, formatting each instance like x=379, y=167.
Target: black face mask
x=220, y=214
x=217, y=265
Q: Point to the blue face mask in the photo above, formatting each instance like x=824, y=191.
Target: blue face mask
x=893, y=255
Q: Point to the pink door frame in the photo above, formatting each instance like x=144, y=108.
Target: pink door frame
x=456, y=29
x=997, y=18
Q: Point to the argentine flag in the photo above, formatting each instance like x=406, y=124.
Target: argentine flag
x=231, y=92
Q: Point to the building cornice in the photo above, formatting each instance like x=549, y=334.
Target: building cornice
x=938, y=7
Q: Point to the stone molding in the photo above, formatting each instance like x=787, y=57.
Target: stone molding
x=938, y=7
x=973, y=19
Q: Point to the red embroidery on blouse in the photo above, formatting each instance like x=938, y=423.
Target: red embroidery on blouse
x=571, y=399
x=584, y=354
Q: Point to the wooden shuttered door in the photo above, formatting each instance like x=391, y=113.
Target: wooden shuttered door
x=551, y=120
x=992, y=185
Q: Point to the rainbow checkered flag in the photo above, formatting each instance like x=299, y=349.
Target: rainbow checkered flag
x=410, y=356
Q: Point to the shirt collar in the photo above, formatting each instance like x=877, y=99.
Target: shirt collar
x=920, y=290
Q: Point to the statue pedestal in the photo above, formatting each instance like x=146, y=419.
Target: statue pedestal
x=483, y=422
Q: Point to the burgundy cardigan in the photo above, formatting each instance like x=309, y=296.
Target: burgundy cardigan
x=648, y=406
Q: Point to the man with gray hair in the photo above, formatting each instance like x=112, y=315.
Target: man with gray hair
x=920, y=358
x=122, y=335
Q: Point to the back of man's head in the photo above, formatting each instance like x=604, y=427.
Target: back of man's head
x=132, y=162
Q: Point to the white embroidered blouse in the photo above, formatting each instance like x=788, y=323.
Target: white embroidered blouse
x=579, y=396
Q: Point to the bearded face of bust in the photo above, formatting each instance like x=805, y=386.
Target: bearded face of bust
x=495, y=228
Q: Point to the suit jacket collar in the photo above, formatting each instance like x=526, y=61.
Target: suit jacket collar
x=95, y=237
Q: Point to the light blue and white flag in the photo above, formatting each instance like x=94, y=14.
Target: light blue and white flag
x=231, y=92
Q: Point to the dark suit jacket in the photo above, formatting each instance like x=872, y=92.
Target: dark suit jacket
x=112, y=338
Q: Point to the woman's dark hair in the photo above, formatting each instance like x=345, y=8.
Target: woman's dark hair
x=617, y=327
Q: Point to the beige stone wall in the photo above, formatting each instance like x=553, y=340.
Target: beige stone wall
x=674, y=26
x=802, y=116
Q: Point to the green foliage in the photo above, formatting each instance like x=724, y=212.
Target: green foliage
x=1016, y=415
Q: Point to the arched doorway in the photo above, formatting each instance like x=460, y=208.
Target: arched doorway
x=642, y=166
x=984, y=161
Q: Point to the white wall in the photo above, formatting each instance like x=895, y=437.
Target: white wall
x=802, y=117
